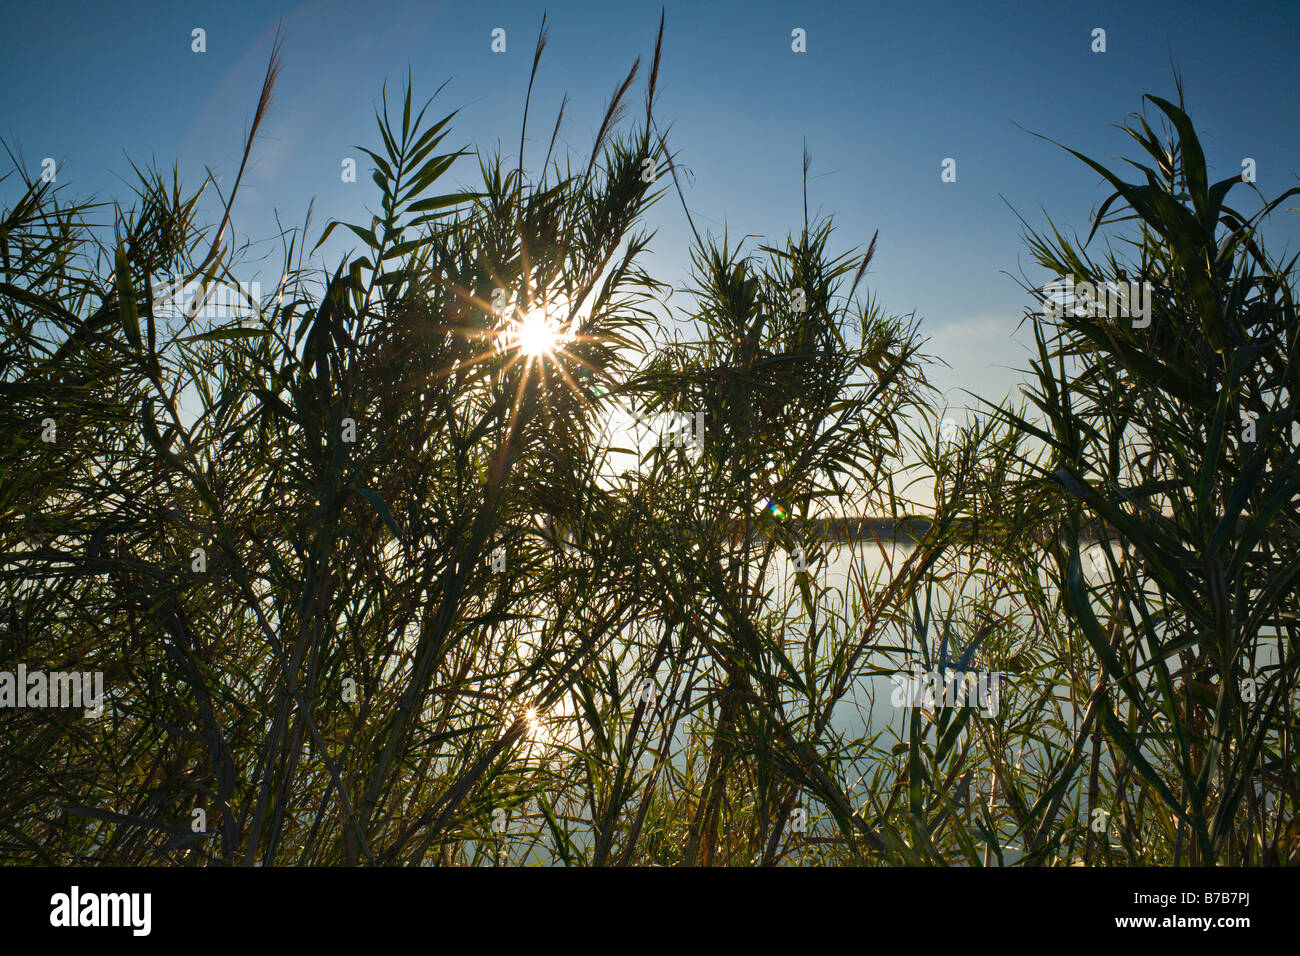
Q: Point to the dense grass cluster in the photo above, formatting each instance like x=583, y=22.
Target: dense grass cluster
x=369, y=583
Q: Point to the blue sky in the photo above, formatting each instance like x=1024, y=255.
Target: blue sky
x=881, y=95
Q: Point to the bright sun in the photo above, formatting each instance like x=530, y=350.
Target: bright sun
x=535, y=728
x=535, y=335
x=539, y=332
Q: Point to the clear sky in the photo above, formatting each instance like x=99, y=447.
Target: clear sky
x=883, y=95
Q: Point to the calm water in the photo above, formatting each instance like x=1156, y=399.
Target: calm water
x=867, y=709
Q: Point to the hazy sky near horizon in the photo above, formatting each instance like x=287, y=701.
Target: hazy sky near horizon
x=882, y=97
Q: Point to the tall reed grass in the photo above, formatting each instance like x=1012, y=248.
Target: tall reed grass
x=433, y=619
